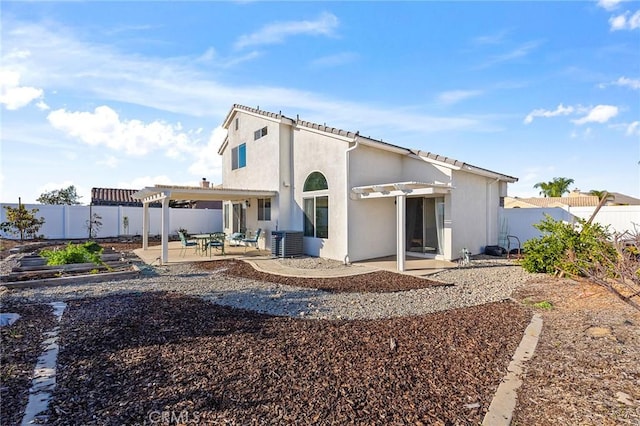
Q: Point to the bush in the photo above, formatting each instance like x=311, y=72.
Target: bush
x=574, y=249
x=88, y=252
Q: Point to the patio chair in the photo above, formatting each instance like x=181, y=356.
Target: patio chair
x=253, y=240
x=235, y=239
x=186, y=243
x=217, y=242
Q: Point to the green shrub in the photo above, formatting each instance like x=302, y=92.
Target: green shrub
x=572, y=248
x=88, y=252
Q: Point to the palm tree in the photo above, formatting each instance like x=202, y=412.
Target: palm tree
x=599, y=194
x=556, y=188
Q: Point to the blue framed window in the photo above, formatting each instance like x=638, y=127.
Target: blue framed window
x=239, y=157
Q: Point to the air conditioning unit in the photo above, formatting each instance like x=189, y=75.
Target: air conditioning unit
x=286, y=243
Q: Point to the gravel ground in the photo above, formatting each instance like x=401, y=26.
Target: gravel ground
x=486, y=280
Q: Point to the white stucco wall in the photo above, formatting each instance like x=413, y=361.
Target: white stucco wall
x=372, y=223
x=312, y=152
x=362, y=229
x=262, y=154
x=474, y=212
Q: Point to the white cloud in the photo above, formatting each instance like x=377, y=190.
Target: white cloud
x=14, y=96
x=519, y=52
x=633, y=129
x=628, y=82
x=104, y=127
x=496, y=38
x=598, y=114
x=110, y=161
x=277, y=32
x=625, y=21
x=334, y=60
x=609, y=4
x=561, y=110
x=207, y=161
x=632, y=83
x=142, y=181
x=42, y=106
x=455, y=96
x=177, y=85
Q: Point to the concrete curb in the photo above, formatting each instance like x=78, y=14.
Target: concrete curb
x=504, y=401
x=277, y=269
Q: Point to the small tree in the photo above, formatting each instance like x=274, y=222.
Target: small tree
x=567, y=248
x=21, y=221
x=67, y=196
x=125, y=225
x=94, y=223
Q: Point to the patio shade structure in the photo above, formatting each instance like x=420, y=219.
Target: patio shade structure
x=399, y=191
x=165, y=193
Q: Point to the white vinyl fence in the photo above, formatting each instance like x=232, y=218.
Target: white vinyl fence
x=69, y=222
x=519, y=222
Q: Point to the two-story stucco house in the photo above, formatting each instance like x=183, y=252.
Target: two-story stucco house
x=355, y=197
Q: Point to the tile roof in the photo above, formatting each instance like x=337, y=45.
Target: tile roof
x=580, y=201
x=349, y=134
x=115, y=197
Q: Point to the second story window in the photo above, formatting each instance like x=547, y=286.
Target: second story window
x=239, y=157
x=259, y=133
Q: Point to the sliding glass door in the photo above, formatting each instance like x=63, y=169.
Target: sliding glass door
x=424, y=226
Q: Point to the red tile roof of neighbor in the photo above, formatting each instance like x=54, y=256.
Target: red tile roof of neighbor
x=113, y=197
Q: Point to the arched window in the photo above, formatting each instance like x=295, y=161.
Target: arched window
x=315, y=182
x=316, y=207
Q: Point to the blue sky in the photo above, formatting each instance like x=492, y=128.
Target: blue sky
x=130, y=94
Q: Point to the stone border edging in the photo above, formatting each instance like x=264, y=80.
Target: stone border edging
x=504, y=401
x=44, y=373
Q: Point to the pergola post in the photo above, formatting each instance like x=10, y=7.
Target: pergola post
x=165, y=230
x=401, y=231
x=145, y=226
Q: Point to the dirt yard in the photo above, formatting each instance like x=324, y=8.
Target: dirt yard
x=126, y=358
x=586, y=368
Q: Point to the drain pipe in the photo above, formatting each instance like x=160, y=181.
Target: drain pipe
x=348, y=189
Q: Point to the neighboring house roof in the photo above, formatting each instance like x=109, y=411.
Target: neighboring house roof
x=623, y=200
x=582, y=201
x=114, y=197
x=426, y=156
x=575, y=199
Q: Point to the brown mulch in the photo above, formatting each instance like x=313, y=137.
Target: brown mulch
x=129, y=359
x=586, y=367
x=21, y=346
x=373, y=282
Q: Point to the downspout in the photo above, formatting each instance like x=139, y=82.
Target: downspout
x=348, y=190
x=488, y=210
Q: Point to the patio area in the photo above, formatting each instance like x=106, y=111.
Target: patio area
x=263, y=261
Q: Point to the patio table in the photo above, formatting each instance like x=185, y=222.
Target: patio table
x=204, y=240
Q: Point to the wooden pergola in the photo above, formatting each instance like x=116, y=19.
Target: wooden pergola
x=165, y=193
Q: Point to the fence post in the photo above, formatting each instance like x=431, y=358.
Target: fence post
x=65, y=221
